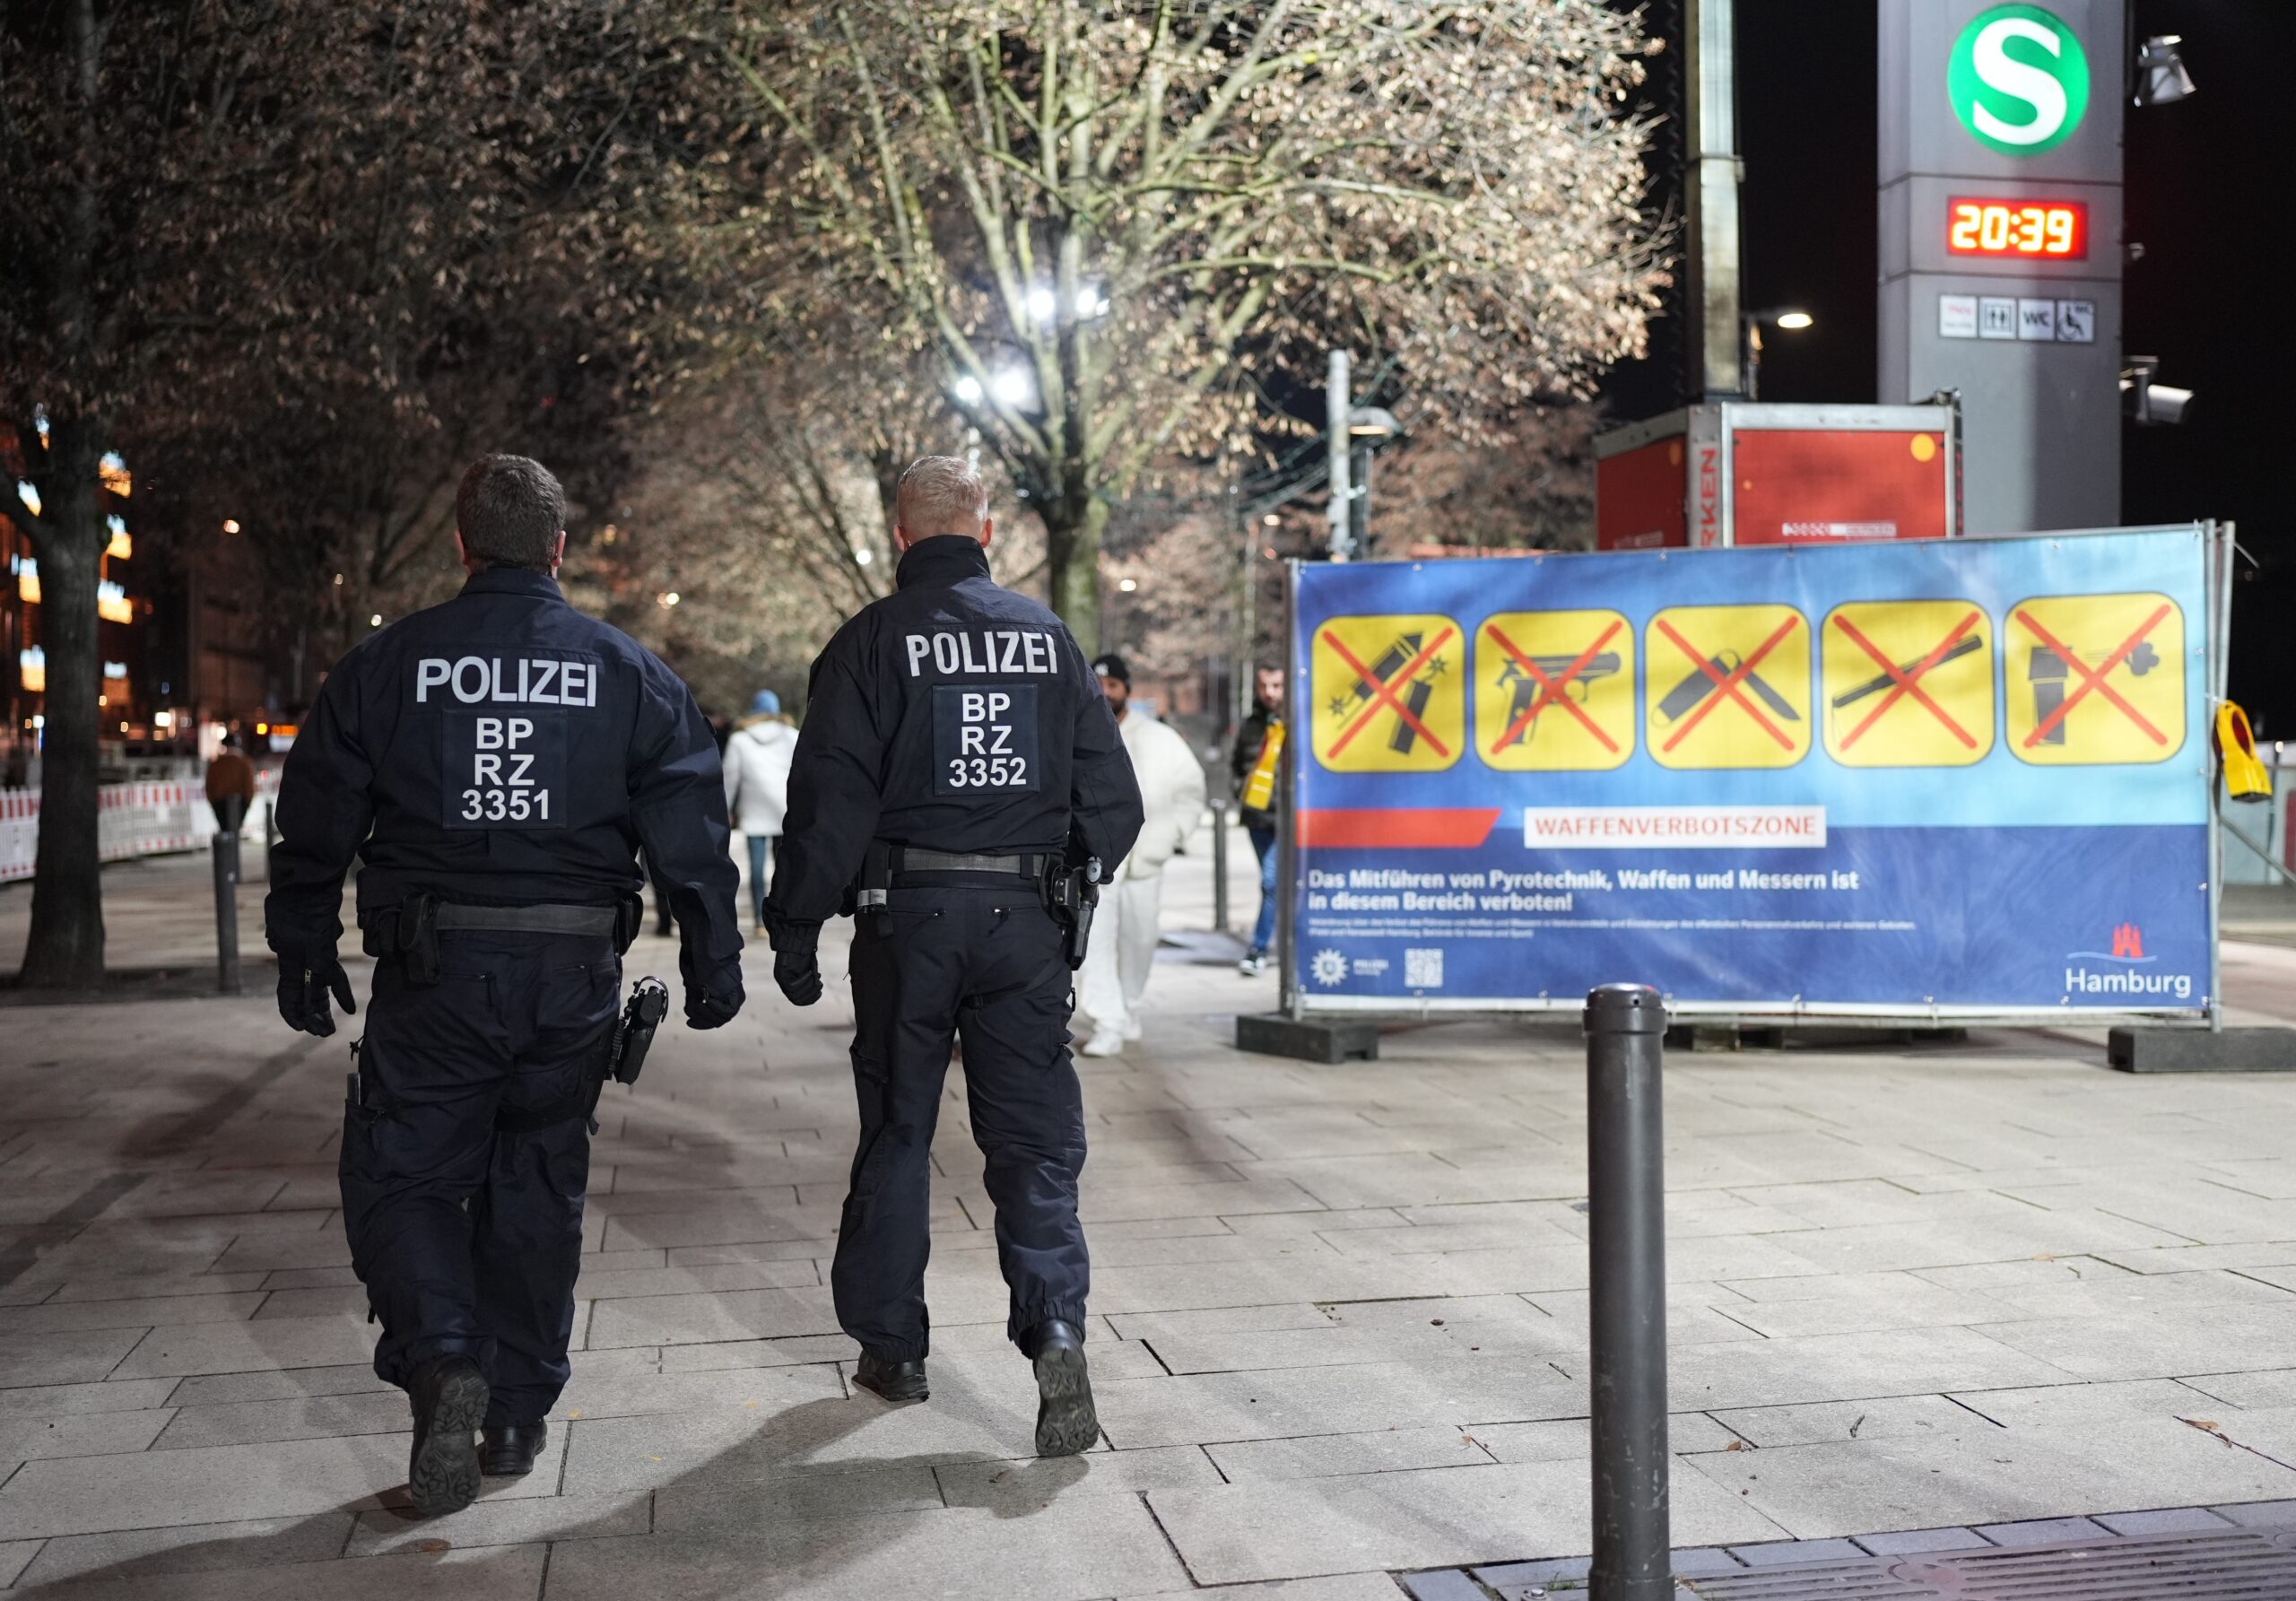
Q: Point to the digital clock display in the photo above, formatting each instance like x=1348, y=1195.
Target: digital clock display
x=2024, y=230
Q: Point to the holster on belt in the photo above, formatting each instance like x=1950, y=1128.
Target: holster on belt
x=407, y=934
x=1071, y=894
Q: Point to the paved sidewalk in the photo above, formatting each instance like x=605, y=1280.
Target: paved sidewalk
x=1339, y=1319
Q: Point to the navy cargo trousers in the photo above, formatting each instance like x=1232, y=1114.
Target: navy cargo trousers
x=467, y=1234
x=980, y=968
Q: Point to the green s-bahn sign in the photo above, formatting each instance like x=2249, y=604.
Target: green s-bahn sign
x=2018, y=80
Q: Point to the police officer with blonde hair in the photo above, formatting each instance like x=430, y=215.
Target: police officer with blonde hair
x=958, y=772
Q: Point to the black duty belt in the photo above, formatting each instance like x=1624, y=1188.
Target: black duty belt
x=528, y=919
x=908, y=858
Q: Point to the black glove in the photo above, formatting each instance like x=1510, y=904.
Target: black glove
x=712, y=1008
x=799, y=974
x=795, y=966
x=304, y=984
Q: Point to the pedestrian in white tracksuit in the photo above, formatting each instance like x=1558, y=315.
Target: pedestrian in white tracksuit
x=1117, y=963
x=757, y=787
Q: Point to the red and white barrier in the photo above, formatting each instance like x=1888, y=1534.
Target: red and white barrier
x=149, y=818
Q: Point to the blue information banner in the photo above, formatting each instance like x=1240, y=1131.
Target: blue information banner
x=1923, y=779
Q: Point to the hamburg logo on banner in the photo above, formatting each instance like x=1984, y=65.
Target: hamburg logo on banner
x=1554, y=691
x=1728, y=686
x=1907, y=684
x=1389, y=694
x=2096, y=679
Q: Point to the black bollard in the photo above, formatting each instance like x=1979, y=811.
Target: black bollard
x=1220, y=865
x=1626, y=1215
x=227, y=911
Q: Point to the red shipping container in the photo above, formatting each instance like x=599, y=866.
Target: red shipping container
x=1730, y=473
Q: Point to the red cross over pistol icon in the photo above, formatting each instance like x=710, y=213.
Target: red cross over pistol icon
x=1554, y=681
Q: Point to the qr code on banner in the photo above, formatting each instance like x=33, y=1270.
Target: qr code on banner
x=1424, y=969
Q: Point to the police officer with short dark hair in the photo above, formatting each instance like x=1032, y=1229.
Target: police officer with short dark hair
x=957, y=761
x=496, y=763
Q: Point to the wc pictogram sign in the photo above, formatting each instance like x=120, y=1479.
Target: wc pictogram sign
x=1554, y=692
x=2095, y=680
x=1389, y=693
x=1907, y=684
x=1728, y=686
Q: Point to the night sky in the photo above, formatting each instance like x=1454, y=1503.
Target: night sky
x=2207, y=299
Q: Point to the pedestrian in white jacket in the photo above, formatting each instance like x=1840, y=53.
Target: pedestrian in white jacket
x=757, y=787
x=1123, y=950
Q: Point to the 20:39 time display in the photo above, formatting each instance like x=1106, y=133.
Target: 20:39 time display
x=2041, y=229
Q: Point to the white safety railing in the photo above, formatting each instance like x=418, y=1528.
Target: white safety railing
x=148, y=818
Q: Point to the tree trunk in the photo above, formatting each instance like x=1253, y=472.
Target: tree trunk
x=66, y=948
x=1071, y=545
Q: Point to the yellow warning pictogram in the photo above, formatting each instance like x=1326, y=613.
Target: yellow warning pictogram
x=1907, y=683
x=1388, y=694
x=2095, y=680
x=1554, y=692
x=1728, y=686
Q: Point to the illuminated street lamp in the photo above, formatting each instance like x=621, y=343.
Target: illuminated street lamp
x=1368, y=427
x=1792, y=319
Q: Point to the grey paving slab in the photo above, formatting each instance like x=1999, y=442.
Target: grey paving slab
x=56, y=1358
x=1432, y=1518
x=143, y=1286
x=253, y=1346
x=87, y=1434
x=1822, y=1422
x=1092, y=1546
x=138, y=1553
x=56, y=1317
x=1343, y=1586
x=2168, y=1520
x=311, y=1418
x=699, y=1502
x=512, y=1573
x=1858, y=1487
x=15, y=1556
x=1914, y=1542
x=764, y=1390
x=2043, y=1531
x=70, y=1400
x=693, y=1319
x=2259, y=1514
x=2161, y=1342
x=1823, y=1367
x=1567, y=1440
x=1322, y=1455
x=504, y=1523
x=1353, y=1399
x=223, y=1389
x=319, y=1300
x=1795, y=1553
x=78, y=1495
x=1021, y=1486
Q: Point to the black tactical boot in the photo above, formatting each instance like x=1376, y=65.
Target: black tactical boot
x=894, y=1380
x=508, y=1450
x=1065, y=1420
x=449, y=1397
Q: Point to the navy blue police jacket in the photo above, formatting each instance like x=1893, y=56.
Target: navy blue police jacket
x=503, y=749
x=954, y=716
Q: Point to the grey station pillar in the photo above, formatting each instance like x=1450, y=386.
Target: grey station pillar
x=2001, y=245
